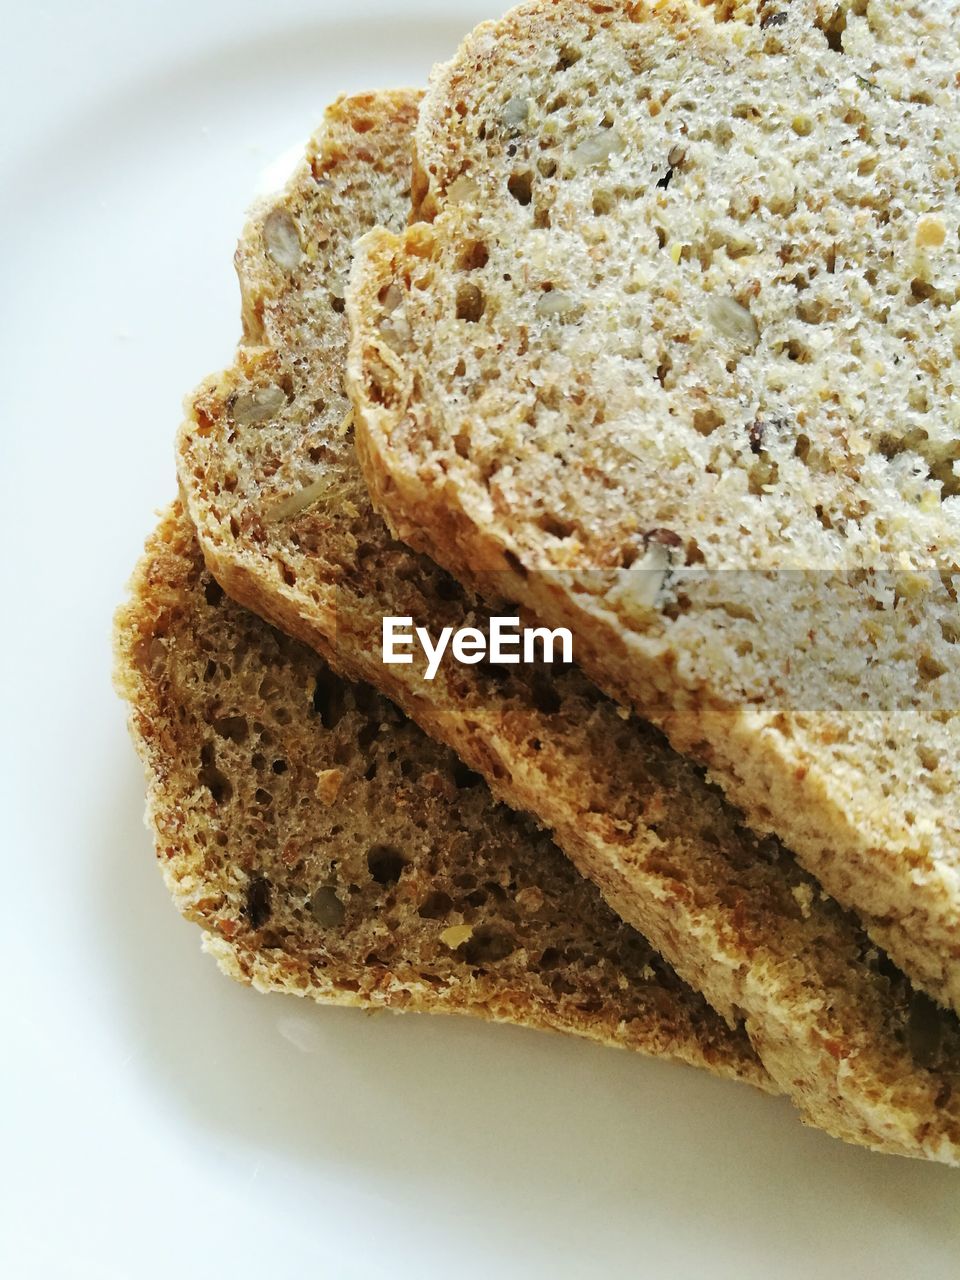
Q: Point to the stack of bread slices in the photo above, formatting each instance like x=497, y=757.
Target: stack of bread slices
x=644, y=320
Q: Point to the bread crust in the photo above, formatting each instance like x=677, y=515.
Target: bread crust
x=739, y=920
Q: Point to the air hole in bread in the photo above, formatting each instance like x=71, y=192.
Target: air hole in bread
x=693, y=556
x=213, y=593
x=555, y=526
x=569, y=56
x=446, y=587
x=464, y=777
x=216, y=782
x=329, y=700
x=235, y=728
x=436, y=906
x=562, y=986
x=258, y=905
x=497, y=671
x=930, y=667
x=921, y=291
x=520, y=186
x=386, y=863
x=471, y=303
x=812, y=310
x=461, y=442
x=603, y=202
x=833, y=25
x=474, y=256
x=488, y=946
x=706, y=421
x=545, y=697
x=798, y=351
x=326, y=908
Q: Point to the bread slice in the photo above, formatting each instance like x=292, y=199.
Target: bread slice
x=287, y=528
x=330, y=849
x=676, y=364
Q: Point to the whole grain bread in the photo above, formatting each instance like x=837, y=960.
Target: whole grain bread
x=268, y=470
x=675, y=362
x=330, y=849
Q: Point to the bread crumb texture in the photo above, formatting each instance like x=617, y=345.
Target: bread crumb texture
x=286, y=526
x=401, y=883
x=672, y=357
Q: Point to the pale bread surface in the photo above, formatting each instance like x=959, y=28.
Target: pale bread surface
x=676, y=363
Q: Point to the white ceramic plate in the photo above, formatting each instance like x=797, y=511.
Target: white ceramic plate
x=159, y=1120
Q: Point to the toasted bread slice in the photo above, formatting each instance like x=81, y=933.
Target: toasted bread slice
x=332, y=850
x=676, y=363
x=287, y=528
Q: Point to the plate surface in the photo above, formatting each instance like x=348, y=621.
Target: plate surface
x=159, y=1120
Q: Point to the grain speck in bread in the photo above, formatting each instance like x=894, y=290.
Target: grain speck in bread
x=399, y=883
x=826, y=1013
x=675, y=361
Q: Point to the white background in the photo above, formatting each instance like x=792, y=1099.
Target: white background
x=158, y=1120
